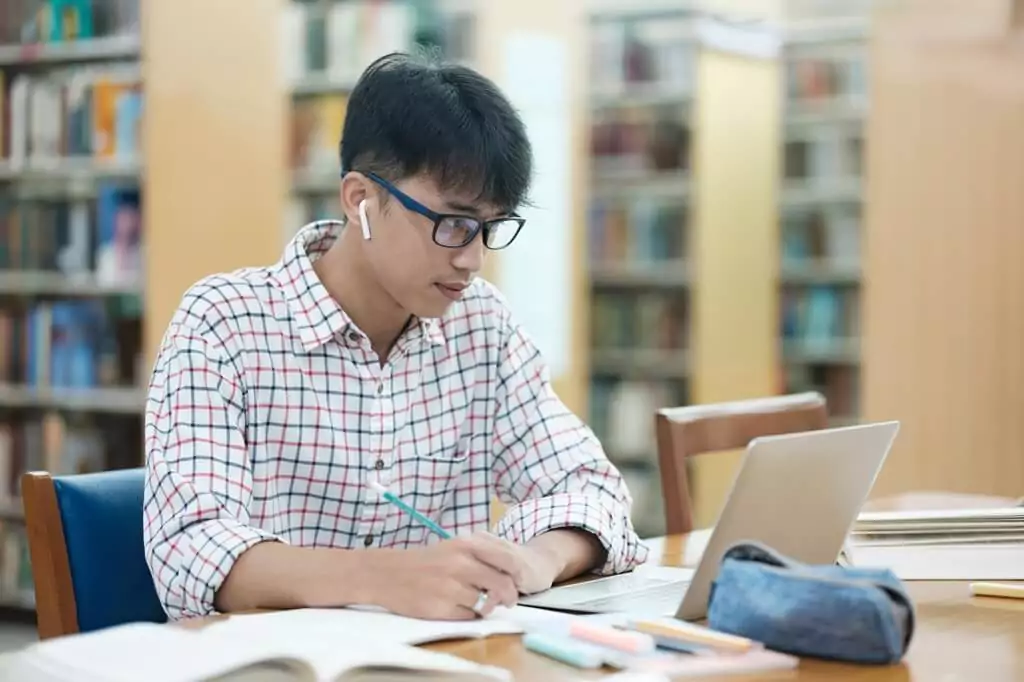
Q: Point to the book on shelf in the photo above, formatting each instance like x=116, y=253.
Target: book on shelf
x=316, y=132
x=50, y=21
x=840, y=384
x=622, y=417
x=821, y=319
x=639, y=320
x=822, y=235
x=68, y=344
x=83, y=240
x=16, y=587
x=635, y=143
x=338, y=41
x=78, y=113
x=812, y=79
x=640, y=230
x=825, y=154
x=647, y=55
x=622, y=414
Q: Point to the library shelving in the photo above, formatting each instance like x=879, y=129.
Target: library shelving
x=824, y=109
x=71, y=232
x=641, y=89
x=327, y=45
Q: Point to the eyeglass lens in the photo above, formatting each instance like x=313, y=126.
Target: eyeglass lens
x=455, y=231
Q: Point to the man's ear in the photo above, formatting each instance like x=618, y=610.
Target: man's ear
x=354, y=190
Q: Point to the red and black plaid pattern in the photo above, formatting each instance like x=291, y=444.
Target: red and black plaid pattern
x=268, y=414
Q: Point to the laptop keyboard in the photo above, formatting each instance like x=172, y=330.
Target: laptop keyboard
x=656, y=600
x=636, y=593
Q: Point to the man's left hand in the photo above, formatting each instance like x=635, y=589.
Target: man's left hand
x=548, y=558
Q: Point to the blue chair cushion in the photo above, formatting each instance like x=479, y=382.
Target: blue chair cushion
x=102, y=517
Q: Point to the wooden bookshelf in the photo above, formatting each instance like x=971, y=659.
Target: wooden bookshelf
x=72, y=293
x=776, y=214
x=640, y=108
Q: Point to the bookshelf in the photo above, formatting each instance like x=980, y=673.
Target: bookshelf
x=71, y=265
x=823, y=125
x=779, y=116
x=642, y=81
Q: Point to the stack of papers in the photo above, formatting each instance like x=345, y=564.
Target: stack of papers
x=958, y=544
x=940, y=527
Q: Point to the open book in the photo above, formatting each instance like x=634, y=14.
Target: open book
x=167, y=653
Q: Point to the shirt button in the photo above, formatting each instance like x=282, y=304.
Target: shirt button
x=353, y=337
x=368, y=540
x=379, y=464
x=380, y=388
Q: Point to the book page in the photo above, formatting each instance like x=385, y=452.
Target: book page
x=127, y=653
x=366, y=623
x=331, y=660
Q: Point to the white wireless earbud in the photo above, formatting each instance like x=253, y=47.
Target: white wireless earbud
x=363, y=222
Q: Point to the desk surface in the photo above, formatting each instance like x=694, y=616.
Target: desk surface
x=958, y=638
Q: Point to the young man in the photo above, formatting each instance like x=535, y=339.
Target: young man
x=371, y=353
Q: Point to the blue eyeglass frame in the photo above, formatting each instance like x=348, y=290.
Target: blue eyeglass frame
x=481, y=225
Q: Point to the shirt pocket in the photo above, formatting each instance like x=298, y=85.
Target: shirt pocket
x=430, y=460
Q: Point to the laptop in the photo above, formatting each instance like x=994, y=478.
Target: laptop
x=798, y=493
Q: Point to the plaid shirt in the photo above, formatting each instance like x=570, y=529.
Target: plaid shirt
x=268, y=413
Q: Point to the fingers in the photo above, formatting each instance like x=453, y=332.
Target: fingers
x=497, y=553
x=466, y=599
x=499, y=586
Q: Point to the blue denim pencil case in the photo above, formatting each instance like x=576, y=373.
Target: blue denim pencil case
x=856, y=615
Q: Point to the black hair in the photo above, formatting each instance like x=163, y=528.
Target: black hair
x=414, y=114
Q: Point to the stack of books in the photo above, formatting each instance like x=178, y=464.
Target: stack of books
x=960, y=544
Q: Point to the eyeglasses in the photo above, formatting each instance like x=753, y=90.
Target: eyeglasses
x=454, y=231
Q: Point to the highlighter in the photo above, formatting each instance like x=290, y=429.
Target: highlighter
x=564, y=650
x=626, y=641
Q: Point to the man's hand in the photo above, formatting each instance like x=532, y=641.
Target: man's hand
x=536, y=567
x=548, y=558
x=443, y=581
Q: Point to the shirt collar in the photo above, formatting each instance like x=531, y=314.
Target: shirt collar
x=318, y=317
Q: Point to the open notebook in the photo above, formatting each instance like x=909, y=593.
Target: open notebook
x=222, y=653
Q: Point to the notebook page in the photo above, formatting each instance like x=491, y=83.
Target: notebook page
x=129, y=653
x=330, y=660
x=365, y=624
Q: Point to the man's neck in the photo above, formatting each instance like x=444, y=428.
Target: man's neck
x=372, y=309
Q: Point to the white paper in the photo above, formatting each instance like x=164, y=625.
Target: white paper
x=535, y=272
x=370, y=623
x=945, y=562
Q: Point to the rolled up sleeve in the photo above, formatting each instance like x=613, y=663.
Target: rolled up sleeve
x=198, y=473
x=549, y=466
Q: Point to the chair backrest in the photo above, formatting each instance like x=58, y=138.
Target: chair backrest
x=683, y=432
x=85, y=543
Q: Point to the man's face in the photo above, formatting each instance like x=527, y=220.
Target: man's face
x=422, y=276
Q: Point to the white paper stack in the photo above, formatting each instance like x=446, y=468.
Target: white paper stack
x=959, y=544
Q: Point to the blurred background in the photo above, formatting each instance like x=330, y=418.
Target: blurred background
x=733, y=199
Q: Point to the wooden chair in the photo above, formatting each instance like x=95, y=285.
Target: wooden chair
x=683, y=432
x=85, y=545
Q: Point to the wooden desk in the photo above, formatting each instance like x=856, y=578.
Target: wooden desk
x=957, y=639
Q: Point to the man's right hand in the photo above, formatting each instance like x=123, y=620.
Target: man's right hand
x=443, y=581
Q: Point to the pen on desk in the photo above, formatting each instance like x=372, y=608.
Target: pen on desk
x=691, y=634
x=395, y=500
x=1005, y=590
x=625, y=641
x=564, y=650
